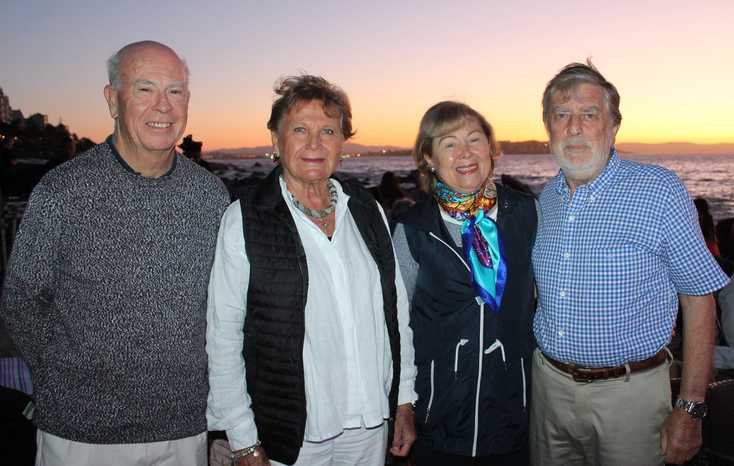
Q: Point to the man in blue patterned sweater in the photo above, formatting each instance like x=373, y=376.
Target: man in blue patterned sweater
x=618, y=247
x=106, y=290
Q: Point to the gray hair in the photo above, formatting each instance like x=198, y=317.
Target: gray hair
x=113, y=63
x=571, y=76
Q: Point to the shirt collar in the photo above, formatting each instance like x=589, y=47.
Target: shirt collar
x=597, y=184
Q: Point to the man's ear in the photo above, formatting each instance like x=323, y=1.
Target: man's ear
x=614, y=134
x=110, y=94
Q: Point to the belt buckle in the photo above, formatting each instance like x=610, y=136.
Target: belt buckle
x=579, y=376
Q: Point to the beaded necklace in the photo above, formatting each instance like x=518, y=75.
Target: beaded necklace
x=321, y=215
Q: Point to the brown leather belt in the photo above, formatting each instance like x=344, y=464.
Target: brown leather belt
x=590, y=374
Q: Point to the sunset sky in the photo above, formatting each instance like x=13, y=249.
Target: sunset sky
x=672, y=61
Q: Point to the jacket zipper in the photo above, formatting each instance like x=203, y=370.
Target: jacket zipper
x=480, y=347
x=430, y=397
x=479, y=377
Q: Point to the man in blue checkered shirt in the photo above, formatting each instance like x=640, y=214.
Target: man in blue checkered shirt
x=618, y=247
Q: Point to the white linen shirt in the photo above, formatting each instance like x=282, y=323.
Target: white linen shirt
x=346, y=352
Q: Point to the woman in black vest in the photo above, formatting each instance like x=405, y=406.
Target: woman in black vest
x=465, y=258
x=310, y=351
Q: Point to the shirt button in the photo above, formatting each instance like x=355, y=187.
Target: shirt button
x=566, y=255
x=561, y=333
x=591, y=198
x=571, y=218
x=562, y=294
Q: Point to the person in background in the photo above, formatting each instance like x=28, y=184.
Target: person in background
x=105, y=295
x=618, y=246
x=725, y=235
x=17, y=433
x=465, y=258
x=706, y=222
x=391, y=197
x=724, y=351
x=309, y=346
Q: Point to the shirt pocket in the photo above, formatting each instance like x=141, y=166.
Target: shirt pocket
x=622, y=269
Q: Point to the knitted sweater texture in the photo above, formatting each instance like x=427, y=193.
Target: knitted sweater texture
x=106, y=298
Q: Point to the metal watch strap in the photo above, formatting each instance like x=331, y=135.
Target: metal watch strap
x=696, y=409
x=235, y=455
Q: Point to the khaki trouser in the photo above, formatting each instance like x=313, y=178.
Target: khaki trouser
x=611, y=422
x=57, y=451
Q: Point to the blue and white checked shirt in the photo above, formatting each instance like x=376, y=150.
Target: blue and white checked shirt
x=609, y=263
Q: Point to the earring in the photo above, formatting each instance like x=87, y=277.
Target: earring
x=275, y=156
x=433, y=169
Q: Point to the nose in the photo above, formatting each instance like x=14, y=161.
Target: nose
x=574, y=124
x=463, y=150
x=162, y=104
x=314, y=140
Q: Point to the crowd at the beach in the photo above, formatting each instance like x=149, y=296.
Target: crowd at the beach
x=151, y=317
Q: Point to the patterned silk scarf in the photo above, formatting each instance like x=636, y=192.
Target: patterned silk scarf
x=480, y=237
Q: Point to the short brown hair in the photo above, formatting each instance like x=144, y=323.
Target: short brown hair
x=439, y=120
x=571, y=76
x=305, y=88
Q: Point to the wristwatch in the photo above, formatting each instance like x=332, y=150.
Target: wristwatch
x=697, y=409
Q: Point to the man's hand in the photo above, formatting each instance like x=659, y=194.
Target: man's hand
x=404, y=431
x=680, y=437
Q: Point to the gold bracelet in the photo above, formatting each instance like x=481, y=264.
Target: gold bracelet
x=235, y=455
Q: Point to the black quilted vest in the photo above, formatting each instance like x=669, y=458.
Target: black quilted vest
x=276, y=299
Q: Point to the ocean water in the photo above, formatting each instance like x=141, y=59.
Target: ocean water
x=707, y=176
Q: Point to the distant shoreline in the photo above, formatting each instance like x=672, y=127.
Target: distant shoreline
x=507, y=147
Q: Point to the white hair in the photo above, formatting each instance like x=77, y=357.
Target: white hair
x=113, y=63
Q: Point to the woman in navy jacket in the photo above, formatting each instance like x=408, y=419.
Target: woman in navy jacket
x=465, y=258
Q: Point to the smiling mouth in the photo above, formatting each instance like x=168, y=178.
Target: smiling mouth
x=577, y=147
x=467, y=169
x=158, y=124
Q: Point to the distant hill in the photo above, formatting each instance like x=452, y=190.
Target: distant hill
x=675, y=148
x=524, y=147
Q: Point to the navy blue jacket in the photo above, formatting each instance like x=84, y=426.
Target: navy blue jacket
x=473, y=364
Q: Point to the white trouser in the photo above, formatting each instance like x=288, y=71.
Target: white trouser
x=57, y=451
x=354, y=447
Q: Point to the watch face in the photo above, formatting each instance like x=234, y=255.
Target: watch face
x=698, y=410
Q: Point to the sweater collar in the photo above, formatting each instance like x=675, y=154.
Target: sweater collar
x=111, y=143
